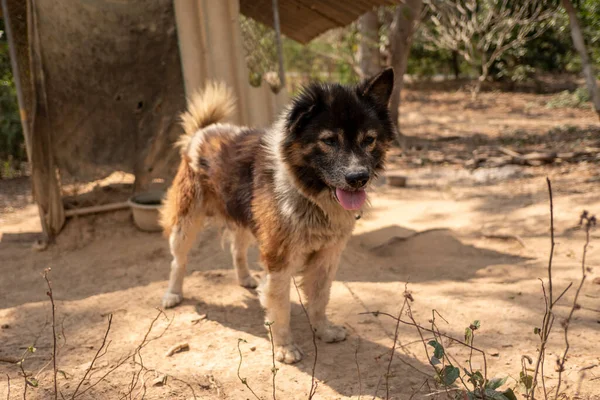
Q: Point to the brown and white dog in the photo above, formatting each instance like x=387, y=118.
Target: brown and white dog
x=295, y=188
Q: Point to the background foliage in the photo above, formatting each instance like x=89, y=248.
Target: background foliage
x=12, y=148
x=332, y=57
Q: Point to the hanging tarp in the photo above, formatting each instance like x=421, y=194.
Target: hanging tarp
x=113, y=83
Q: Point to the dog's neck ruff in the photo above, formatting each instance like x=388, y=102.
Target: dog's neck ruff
x=293, y=201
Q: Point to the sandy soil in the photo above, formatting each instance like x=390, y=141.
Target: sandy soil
x=434, y=235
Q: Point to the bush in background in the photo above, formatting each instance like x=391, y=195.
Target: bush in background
x=12, y=147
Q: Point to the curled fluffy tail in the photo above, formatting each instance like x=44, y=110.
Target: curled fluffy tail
x=208, y=106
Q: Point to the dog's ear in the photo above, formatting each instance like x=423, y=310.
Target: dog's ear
x=379, y=88
x=305, y=106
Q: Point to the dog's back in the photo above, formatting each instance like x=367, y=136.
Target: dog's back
x=217, y=160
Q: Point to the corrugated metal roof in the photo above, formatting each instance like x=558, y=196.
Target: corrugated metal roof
x=303, y=20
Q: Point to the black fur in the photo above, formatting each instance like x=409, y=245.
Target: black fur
x=349, y=110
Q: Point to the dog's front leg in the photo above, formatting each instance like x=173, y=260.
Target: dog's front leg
x=275, y=298
x=317, y=279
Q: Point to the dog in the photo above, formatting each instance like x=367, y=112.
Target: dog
x=294, y=189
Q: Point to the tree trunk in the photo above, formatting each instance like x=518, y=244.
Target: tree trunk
x=455, y=65
x=579, y=43
x=401, y=35
x=485, y=67
x=368, y=46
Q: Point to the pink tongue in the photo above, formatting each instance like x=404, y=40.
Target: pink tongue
x=351, y=200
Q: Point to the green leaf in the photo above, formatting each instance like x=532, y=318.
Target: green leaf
x=509, y=394
x=525, y=380
x=477, y=379
x=450, y=374
x=32, y=382
x=496, y=383
x=31, y=349
x=468, y=335
x=439, y=349
x=434, y=361
x=475, y=325
x=492, y=394
x=537, y=331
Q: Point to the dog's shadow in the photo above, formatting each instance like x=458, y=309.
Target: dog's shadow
x=336, y=364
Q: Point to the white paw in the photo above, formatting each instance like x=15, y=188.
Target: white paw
x=330, y=333
x=248, y=282
x=288, y=354
x=171, y=299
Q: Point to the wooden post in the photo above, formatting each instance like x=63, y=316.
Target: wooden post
x=50, y=208
x=278, y=41
x=44, y=175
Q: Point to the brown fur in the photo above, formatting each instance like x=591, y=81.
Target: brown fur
x=250, y=182
x=206, y=107
x=180, y=198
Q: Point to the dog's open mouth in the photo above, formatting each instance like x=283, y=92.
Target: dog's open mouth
x=351, y=200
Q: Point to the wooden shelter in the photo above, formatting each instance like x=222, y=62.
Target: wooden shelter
x=101, y=83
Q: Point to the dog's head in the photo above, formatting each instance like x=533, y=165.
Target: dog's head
x=336, y=137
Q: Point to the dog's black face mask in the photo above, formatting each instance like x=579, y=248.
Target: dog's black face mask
x=337, y=137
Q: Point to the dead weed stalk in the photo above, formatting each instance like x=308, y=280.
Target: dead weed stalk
x=244, y=380
x=274, y=368
x=587, y=222
x=313, y=383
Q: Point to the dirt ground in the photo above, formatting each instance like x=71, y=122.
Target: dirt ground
x=452, y=234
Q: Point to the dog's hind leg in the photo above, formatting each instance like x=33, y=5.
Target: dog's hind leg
x=239, y=251
x=181, y=240
x=317, y=279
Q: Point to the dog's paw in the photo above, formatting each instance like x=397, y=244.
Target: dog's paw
x=330, y=333
x=171, y=299
x=248, y=282
x=288, y=354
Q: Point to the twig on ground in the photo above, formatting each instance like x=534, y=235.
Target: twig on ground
x=7, y=387
x=96, y=356
x=145, y=341
x=377, y=387
x=588, y=222
x=414, y=393
x=358, y=367
x=313, y=383
x=170, y=377
x=274, y=369
x=177, y=348
x=244, y=380
x=49, y=294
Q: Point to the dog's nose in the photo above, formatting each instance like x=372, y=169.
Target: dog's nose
x=357, y=179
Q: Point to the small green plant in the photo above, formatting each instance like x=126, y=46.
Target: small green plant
x=579, y=98
x=470, y=383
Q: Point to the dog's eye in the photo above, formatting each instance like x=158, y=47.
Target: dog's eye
x=369, y=140
x=329, y=141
